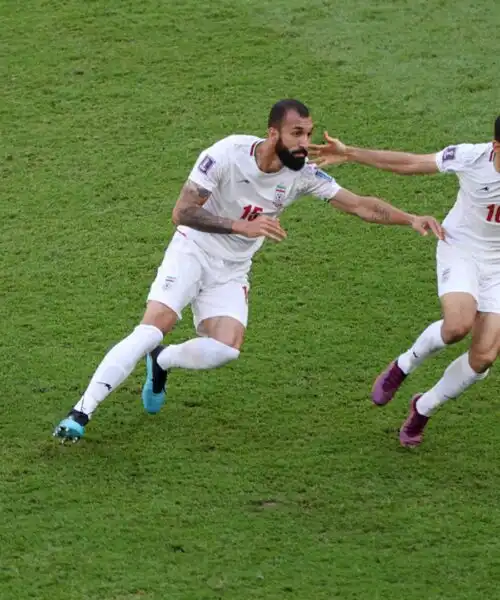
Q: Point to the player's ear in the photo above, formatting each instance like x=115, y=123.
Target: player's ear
x=273, y=134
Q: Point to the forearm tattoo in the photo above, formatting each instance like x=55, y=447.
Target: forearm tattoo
x=381, y=214
x=192, y=214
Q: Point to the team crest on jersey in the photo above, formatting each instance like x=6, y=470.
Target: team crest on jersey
x=279, y=196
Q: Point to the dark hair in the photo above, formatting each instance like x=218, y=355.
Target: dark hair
x=281, y=108
x=497, y=129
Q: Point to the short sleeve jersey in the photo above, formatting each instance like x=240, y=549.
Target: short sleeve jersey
x=240, y=190
x=474, y=220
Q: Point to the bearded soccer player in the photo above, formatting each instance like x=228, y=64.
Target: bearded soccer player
x=468, y=271
x=229, y=205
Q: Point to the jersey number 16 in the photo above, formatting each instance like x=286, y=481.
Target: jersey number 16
x=251, y=212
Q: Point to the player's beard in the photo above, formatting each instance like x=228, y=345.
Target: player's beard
x=290, y=158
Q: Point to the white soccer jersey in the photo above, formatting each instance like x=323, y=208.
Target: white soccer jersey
x=240, y=190
x=474, y=221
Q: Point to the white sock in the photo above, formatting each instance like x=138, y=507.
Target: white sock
x=458, y=376
x=428, y=342
x=198, y=353
x=117, y=365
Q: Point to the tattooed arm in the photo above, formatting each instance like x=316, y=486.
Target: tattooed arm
x=375, y=210
x=189, y=211
x=370, y=209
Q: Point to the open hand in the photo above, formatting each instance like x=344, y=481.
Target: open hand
x=334, y=152
x=425, y=224
x=261, y=226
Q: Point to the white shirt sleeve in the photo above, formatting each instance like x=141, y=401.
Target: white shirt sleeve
x=208, y=170
x=316, y=182
x=455, y=159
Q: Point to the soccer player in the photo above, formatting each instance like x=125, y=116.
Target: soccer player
x=229, y=205
x=468, y=271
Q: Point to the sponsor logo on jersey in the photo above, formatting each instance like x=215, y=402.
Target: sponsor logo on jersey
x=279, y=196
x=206, y=164
x=449, y=153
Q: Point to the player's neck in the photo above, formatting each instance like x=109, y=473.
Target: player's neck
x=266, y=158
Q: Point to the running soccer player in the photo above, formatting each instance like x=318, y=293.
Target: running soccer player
x=230, y=203
x=468, y=271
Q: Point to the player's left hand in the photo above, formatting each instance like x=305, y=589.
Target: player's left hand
x=333, y=152
x=425, y=224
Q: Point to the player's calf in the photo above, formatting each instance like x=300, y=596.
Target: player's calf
x=389, y=381
x=458, y=376
x=116, y=366
x=198, y=353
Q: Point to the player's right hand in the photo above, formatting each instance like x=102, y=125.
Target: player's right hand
x=261, y=226
x=334, y=152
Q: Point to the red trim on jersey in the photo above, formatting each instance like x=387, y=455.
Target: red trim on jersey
x=492, y=154
x=182, y=233
x=252, y=148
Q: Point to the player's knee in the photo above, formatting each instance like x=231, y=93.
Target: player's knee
x=455, y=330
x=159, y=315
x=224, y=330
x=481, y=359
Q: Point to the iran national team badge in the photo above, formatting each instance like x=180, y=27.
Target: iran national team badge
x=279, y=196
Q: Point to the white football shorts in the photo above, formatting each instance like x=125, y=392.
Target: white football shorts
x=213, y=287
x=460, y=271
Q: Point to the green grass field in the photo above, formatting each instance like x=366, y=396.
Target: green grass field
x=273, y=478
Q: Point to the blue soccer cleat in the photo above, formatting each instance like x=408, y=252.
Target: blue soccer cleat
x=72, y=428
x=155, y=386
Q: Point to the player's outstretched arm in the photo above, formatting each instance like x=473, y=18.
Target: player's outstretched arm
x=375, y=210
x=189, y=211
x=404, y=163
